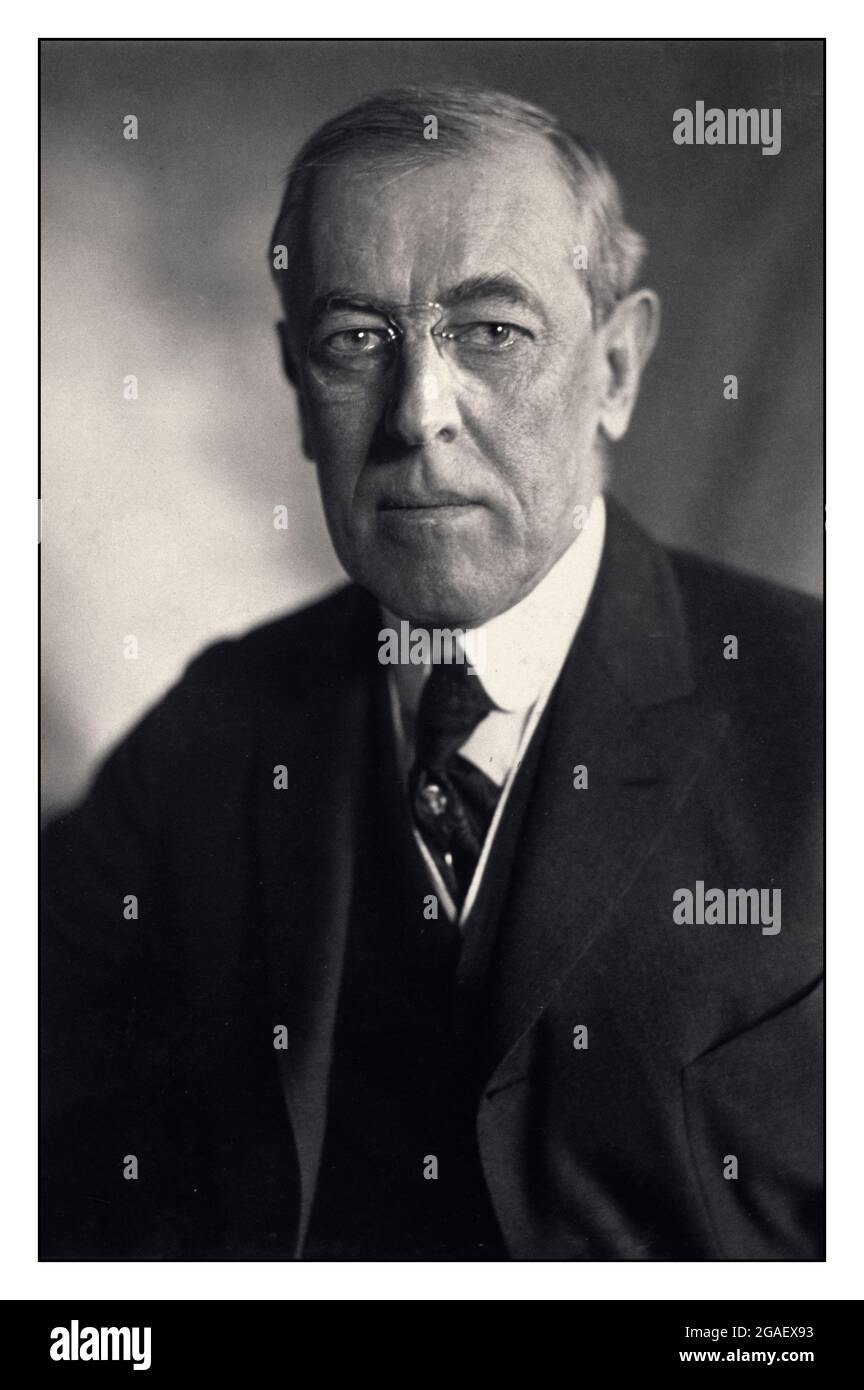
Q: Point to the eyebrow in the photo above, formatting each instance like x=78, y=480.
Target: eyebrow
x=502, y=287
x=477, y=287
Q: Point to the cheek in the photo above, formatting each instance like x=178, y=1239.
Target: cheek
x=339, y=434
x=539, y=439
x=337, y=439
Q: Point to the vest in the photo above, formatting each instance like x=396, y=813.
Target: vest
x=400, y=1176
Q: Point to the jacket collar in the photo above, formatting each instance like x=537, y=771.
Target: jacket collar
x=625, y=708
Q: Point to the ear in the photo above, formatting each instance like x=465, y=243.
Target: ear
x=290, y=367
x=629, y=335
x=289, y=364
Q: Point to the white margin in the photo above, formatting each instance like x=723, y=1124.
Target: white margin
x=839, y=1278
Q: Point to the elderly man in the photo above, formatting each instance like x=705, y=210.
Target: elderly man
x=510, y=954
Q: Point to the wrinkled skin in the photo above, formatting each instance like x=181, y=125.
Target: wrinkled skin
x=449, y=479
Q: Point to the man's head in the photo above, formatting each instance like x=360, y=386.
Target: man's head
x=464, y=340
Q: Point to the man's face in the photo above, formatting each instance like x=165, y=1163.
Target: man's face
x=450, y=466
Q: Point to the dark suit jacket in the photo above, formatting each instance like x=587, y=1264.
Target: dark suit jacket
x=703, y=1041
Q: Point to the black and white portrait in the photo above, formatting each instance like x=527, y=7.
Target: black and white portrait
x=432, y=693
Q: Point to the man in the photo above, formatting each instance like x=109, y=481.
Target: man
x=353, y=954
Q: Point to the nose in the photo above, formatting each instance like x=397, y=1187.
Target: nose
x=423, y=406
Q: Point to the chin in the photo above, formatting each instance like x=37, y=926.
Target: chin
x=435, y=601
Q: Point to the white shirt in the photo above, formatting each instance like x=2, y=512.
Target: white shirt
x=524, y=650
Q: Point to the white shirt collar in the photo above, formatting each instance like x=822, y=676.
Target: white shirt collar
x=524, y=648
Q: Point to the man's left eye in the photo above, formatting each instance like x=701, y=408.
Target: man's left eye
x=489, y=337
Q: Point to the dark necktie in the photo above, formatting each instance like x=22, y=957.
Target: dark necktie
x=452, y=800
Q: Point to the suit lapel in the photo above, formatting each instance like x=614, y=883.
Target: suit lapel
x=624, y=709
x=307, y=836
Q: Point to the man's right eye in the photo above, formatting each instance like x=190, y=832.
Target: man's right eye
x=356, y=342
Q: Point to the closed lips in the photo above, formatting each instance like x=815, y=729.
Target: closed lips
x=438, y=500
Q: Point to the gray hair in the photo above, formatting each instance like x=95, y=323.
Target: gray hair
x=390, y=124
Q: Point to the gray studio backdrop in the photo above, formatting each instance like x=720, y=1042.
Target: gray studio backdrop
x=158, y=512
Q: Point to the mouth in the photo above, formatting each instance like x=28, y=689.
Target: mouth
x=417, y=515
x=425, y=502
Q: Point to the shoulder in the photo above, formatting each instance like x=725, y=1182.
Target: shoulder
x=303, y=649
x=775, y=633
x=746, y=643
x=208, y=718
x=757, y=653
x=286, y=665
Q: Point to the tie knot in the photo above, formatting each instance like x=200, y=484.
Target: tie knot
x=453, y=703
x=453, y=801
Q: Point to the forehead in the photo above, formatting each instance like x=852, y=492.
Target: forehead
x=407, y=232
